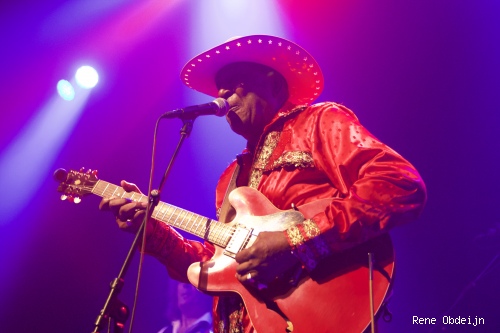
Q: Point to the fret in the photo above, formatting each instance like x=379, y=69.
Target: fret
x=199, y=221
x=196, y=217
x=185, y=220
x=198, y=225
x=202, y=226
x=212, y=231
x=193, y=223
x=176, y=217
x=228, y=233
x=168, y=210
x=165, y=209
x=208, y=230
x=100, y=188
x=96, y=187
x=108, y=191
x=157, y=210
x=208, y=234
x=190, y=221
x=162, y=210
x=116, y=187
x=223, y=233
x=183, y=216
x=217, y=232
x=105, y=188
x=171, y=212
x=179, y=219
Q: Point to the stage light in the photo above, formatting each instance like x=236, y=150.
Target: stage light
x=35, y=148
x=65, y=90
x=86, y=77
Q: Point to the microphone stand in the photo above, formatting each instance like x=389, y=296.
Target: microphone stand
x=115, y=310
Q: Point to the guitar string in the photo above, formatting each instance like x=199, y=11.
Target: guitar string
x=219, y=233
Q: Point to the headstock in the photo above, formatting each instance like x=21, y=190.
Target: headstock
x=75, y=184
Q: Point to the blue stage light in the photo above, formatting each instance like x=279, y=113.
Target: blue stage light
x=65, y=90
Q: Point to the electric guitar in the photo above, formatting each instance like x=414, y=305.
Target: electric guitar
x=334, y=297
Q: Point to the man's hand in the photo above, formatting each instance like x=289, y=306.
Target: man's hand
x=128, y=214
x=267, y=259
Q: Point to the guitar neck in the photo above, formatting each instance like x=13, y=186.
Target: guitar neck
x=203, y=227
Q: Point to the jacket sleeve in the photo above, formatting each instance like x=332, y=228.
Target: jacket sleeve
x=378, y=188
x=174, y=251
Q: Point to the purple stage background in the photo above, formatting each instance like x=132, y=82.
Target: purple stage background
x=423, y=76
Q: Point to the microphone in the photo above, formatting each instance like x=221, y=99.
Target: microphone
x=218, y=107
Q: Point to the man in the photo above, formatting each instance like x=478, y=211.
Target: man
x=297, y=155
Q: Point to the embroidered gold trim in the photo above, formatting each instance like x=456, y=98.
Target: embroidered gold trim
x=262, y=157
x=298, y=159
x=287, y=113
x=295, y=236
x=265, y=151
x=311, y=229
x=310, y=245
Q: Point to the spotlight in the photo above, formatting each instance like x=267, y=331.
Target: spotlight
x=65, y=90
x=86, y=77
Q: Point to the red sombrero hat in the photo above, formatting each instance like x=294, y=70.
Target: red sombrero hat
x=298, y=67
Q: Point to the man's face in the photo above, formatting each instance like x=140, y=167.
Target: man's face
x=250, y=90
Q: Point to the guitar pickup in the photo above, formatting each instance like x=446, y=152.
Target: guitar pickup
x=238, y=241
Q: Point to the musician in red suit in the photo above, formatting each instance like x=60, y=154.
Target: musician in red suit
x=297, y=153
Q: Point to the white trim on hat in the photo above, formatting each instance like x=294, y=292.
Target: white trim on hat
x=298, y=67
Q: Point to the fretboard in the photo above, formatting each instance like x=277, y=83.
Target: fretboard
x=203, y=227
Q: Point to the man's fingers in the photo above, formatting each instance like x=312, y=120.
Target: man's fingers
x=104, y=204
x=112, y=204
x=244, y=268
x=129, y=187
x=128, y=210
x=248, y=277
x=244, y=255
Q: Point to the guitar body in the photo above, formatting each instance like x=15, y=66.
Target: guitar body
x=334, y=298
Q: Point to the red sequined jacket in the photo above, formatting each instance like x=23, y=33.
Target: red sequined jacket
x=305, y=154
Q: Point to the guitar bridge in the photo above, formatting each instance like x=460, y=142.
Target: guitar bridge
x=238, y=241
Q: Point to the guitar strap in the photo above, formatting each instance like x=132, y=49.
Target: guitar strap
x=230, y=307
x=226, y=210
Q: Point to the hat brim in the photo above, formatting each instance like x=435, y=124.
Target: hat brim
x=298, y=67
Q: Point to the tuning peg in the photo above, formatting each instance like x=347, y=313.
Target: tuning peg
x=71, y=198
x=64, y=197
x=94, y=173
x=77, y=200
x=82, y=169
